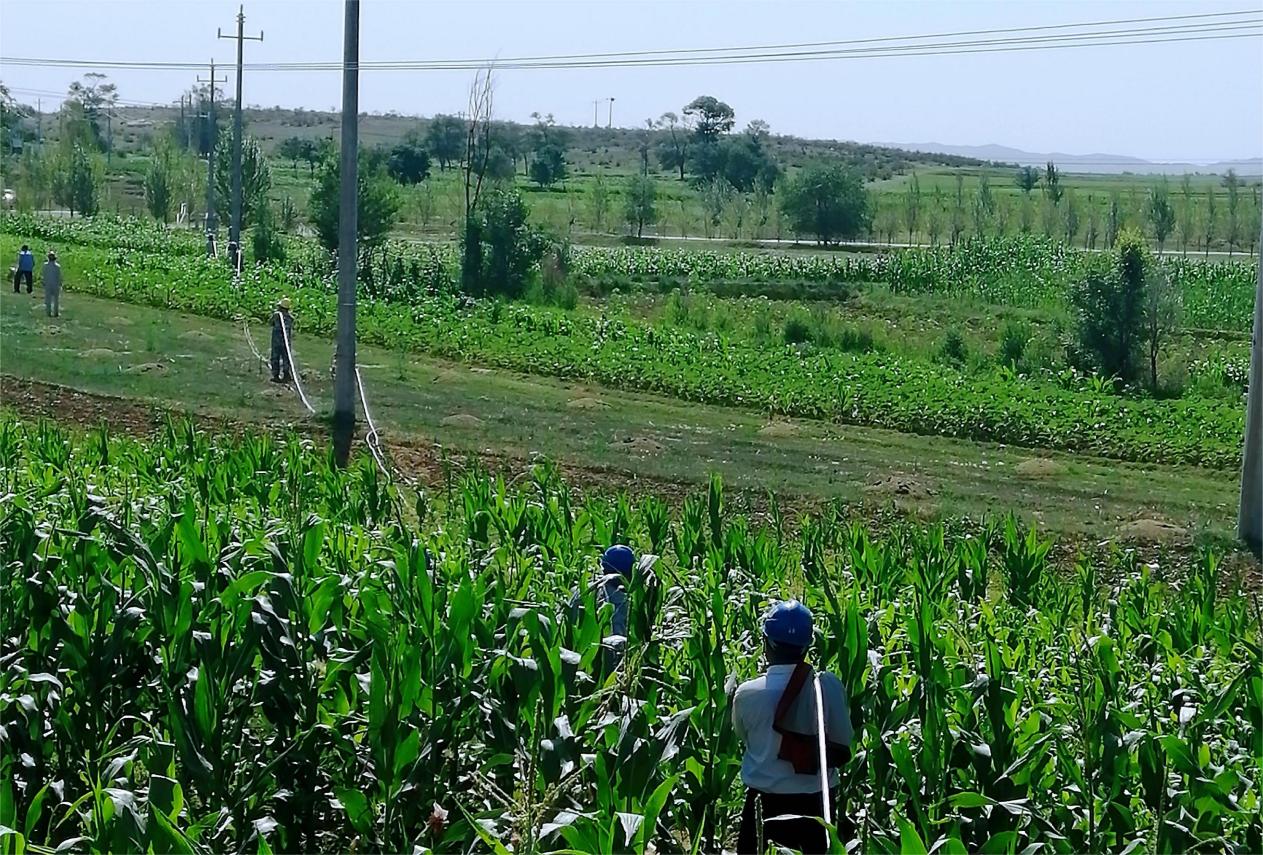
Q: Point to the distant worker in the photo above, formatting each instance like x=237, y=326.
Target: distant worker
x=212, y=251
x=617, y=564
x=234, y=256
x=282, y=338
x=24, y=271
x=50, y=277
x=775, y=716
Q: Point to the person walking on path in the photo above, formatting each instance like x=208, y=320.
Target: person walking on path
x=24, y=271
x=282, y=333
x=50, y=277
x=775, y=716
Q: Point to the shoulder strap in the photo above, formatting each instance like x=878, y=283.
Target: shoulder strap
x=797, y=680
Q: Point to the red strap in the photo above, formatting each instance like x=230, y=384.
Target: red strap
x=793, y=689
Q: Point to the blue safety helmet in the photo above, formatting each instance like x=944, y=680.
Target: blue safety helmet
x=789, y=623
x=618, y=559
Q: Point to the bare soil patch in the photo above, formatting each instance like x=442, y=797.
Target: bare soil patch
x=777, y=430
x=462, y=420
x=907, y=487
x=587, y=404
x=97, y=353
x=1150, y=530
x=1039, y=467
x=641, y=446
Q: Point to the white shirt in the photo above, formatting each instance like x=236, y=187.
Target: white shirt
x=753, y=710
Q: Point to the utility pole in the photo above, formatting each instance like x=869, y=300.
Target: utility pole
x=596, y=122
x=234, y=230
x=39, y=125
x=1250, y=515
x=609, y=122
x=348, y=223
x=211, y=223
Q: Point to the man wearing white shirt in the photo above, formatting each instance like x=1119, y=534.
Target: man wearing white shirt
x=775, y=715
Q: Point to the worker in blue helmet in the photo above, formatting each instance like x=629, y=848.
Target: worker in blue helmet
x=610, y=586
x=775, y=716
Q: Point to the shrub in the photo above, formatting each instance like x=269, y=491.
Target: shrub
x=1110, y=301
x=953, y=350
x=797, y=329
x=1014, y=336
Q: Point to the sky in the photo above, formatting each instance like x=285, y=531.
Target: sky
x=1193, y=101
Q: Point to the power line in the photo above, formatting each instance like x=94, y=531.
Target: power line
x=1203, y=30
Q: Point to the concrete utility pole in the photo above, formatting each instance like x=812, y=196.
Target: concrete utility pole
x=348, y=249
x=1250, y=515
x=234, y=231
x=211, y=222
x=609, y=122
x=596, y=122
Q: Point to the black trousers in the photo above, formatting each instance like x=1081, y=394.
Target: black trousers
x=806, y=835
x=18, y=276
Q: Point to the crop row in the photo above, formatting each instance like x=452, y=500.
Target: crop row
x=1026, y=271
x=878, y=389
x=217, y=645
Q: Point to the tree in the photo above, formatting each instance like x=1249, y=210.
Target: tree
x=159, y=183
x=827, y=201
x=746, y=163
x=1160, y=213
x=1052, y=183
x=1233, y=222
x=1162, y=313
x=707, y=158
x=640, y=210
x=408, y=162
x=599, y=201
x=984, y=206
x=1093, y=230
x=1113, y=220
x=1188, y=214
x=445, y=139
x=934, y=217
x=1050, y=218
x=294, y=149
x=499, y=165
x=1026, y=215
x=1209, y=222
x=77, y=179
x=256, y=176
x=715, y=196
x=912, y=206
x=1070, y=216
x=709, y=117
x=376, y=208
x=673, y=147
x=958, y=209
x=510, y=247
x=1027, y=178
x=90, y=100
x=265, y=241
x=1110, y=302
x=548, y=166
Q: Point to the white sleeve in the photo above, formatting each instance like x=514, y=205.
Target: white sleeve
x=837, y=710
x=738, y=700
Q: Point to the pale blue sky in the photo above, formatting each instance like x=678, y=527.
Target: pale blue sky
x=1190, y=101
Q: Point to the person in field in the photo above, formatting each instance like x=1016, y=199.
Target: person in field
x=775, y=716
x=617, y=564
x=50, y=277
x=25, y=270
x=282, y=333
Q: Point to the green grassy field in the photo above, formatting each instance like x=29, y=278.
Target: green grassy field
x=200, y=365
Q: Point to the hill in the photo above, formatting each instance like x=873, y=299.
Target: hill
x=1096, y=163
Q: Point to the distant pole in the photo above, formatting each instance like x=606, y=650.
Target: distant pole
x=1250, y=515
x=109, y=137
x=348, y=211
x=609, y=122
x=596, y=122
x=234, y=229
x=39, y=124
x=213, y=135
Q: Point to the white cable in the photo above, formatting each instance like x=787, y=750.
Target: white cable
x=293, y=370
x=371, y=439
x=245, y=326
x=824, y=769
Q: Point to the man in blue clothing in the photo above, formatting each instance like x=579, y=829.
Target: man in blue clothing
x=775, y=716
x=24, y=271
x=617, y=564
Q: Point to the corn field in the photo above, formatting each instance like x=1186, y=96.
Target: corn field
x=224, y=644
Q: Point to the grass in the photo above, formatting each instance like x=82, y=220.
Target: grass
x=209, y=369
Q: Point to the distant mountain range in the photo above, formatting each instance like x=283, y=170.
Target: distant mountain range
x=1106, y=164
